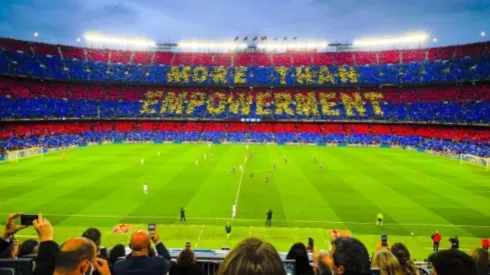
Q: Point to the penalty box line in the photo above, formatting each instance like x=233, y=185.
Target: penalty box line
x=294, y=221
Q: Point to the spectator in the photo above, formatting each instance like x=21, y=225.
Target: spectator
x=480, y=256
x=436, y=239
x=454, y=242
x=185, y=264
x=452, y=262
x=7, y=242
x=387, y=263
x=252, y=257
x=12, y=249
x=78, y=256
x=94, y=235
x=116, y=252
x=139, y=261
x=349, y=257
x=299, y=254
x=485, y=243
x=28, y=249
x=403, y=255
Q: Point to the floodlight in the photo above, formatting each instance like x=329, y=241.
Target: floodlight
x=383, y=41
x=211, y=44
x=78, y=39
x=131, y=41
x=483, y=33
x=434, y=39
x=36, y=34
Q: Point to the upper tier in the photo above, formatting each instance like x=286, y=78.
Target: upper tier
x=448, y=64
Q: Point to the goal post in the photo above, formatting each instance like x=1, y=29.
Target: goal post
x=16, y=155
x=476, y=160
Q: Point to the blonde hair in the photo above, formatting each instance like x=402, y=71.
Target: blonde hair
x=387, y=263
x=252, y=257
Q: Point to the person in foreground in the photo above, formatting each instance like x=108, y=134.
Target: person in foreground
x=349, y=257
x=78, y=256
x=299, y=254
x=185, y=264
x=252, y=257
x=139, y=261
x=403, y=255
x=482, y=261
x=452, y=262
x=387, y=263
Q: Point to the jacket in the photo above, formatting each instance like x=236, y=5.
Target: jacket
x=45, y=259
x=145, y=265
x=177, y=269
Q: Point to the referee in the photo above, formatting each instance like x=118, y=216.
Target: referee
x=269, y=218
x=182, y=215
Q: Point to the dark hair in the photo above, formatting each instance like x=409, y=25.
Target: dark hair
x=252, y=257
x=6, y=253
x=352, y=255
x=480, y=256
x=300, y=255
x=28, y=247
x=452, y=262
x=186, y=257
x=116, y=252
x=403, y=255
x=93, y=234
x=70, y=259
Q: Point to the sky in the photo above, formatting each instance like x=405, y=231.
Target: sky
x=62, y=21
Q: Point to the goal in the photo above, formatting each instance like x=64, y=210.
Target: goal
x=472, y=159
x=14, y=156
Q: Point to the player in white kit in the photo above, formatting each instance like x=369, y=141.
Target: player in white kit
x=233, y=211
x=142, y=162
x=197, y=162
x=241, y=168
x=205, y=157
x=145, y=189
x=158, y=154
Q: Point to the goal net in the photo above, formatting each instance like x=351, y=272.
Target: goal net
x=480, y=161
x=24, y=153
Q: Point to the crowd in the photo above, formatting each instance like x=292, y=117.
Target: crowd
x=86, y=255
x=456, y=140
x=449, y=104
x=450, y=64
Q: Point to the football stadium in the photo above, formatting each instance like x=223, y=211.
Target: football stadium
x=258, y=148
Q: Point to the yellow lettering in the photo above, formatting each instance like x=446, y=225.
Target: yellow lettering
x=347, y=74
x=282, y=101
x=324, y=76
x=197, y=99
x=239, y=77
x=263, y=103
x=173, y=103
x=306, y=104
x=219, y=75
x=375, y=98
x=351, y=103
x=179, y=75
x=150, y=101
x=303, y=75
x=218, y=108
x=240, y=103
x=282, y=71
x=200, y=74
x=327, y=101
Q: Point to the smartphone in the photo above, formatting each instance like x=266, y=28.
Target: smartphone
x=27, y=219
x=384, y=240
x=152, y=228
x=310, y=244
x=188, y=245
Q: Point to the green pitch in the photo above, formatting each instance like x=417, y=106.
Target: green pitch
x=102, y=186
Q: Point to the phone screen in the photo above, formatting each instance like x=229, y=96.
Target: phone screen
x=27, y=219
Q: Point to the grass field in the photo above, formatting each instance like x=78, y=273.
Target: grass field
x=102, y=186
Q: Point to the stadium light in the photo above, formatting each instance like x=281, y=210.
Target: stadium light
x=211, y=45
x=274, y=45
x=383, y=41
x=36, y=34
x=434, y=40
x=483, y=33
x=130, y=41
x=78, y=39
